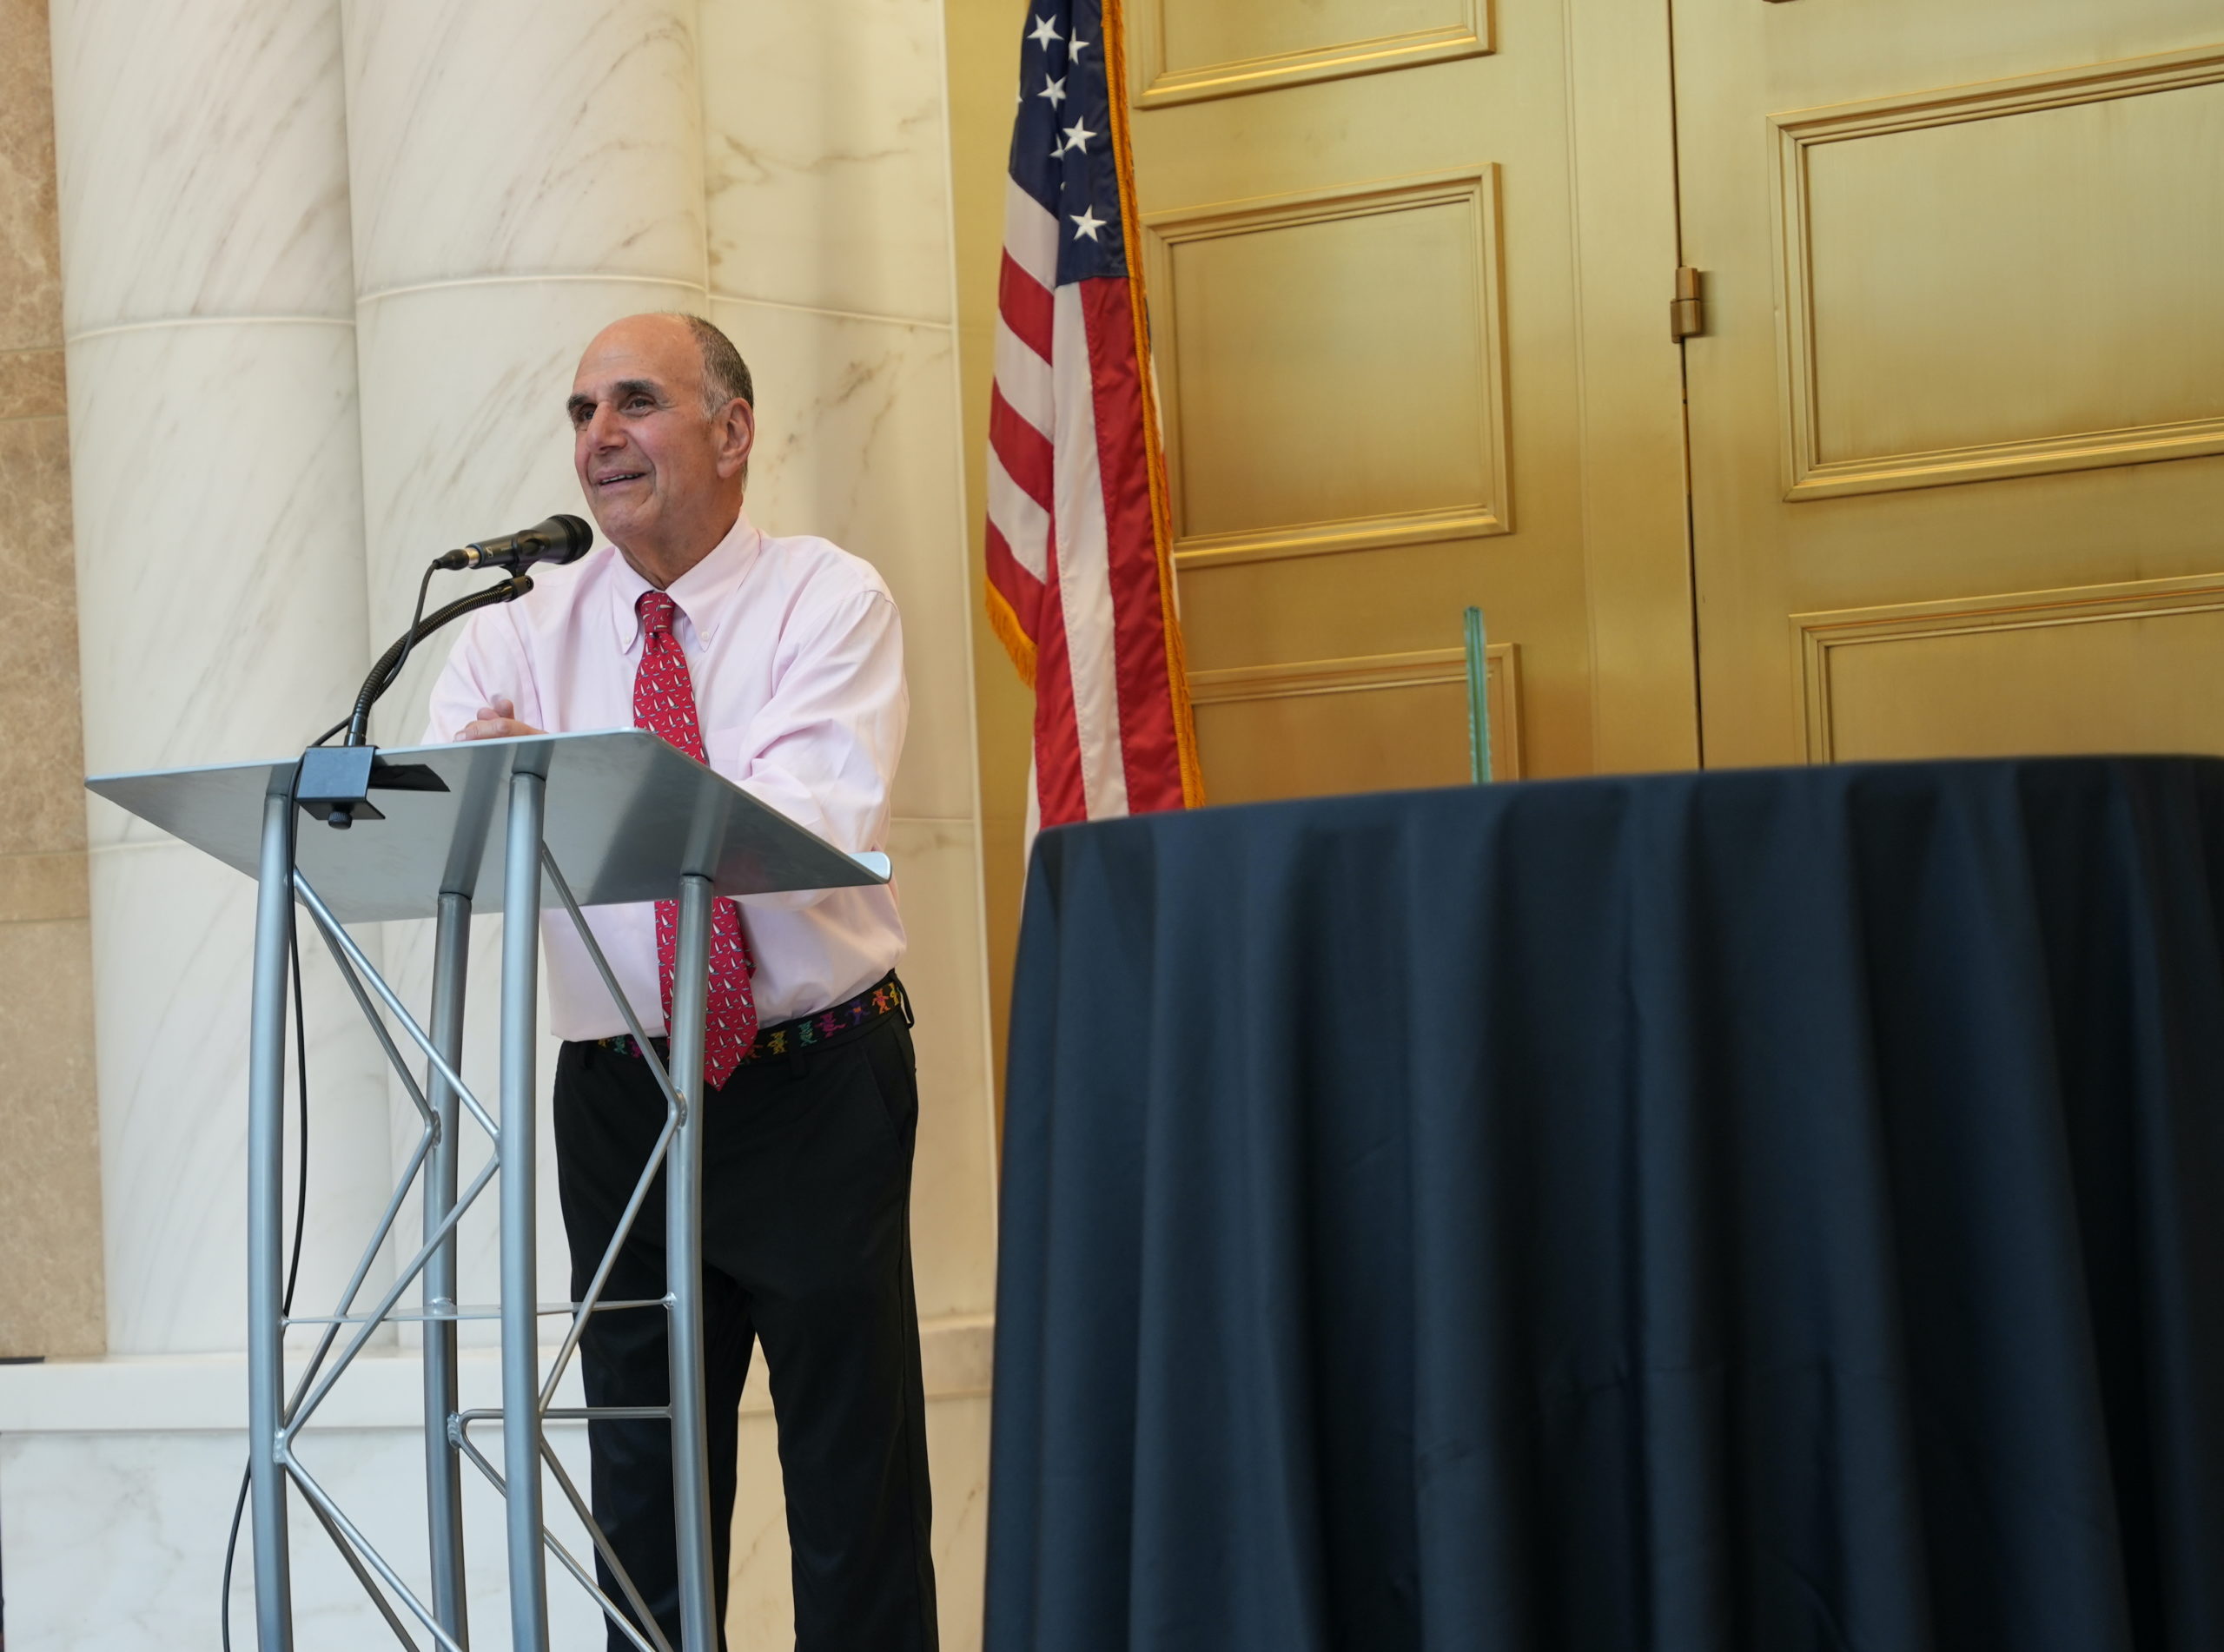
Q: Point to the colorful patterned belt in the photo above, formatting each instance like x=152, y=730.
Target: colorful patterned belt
x=884, y=997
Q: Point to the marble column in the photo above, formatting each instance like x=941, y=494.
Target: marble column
x=208, y=310
x=826, y=134
x=522, y=172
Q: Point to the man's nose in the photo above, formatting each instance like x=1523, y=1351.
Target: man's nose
x=602, y=429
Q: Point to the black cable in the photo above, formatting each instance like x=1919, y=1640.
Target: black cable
x=409, y=641
x=382, y=674
x=300, y=1169
x=416, y=618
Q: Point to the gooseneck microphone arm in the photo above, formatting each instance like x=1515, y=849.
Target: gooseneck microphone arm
x=389, y=665
x=560, y=539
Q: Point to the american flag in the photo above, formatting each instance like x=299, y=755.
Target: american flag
x=1081, y=588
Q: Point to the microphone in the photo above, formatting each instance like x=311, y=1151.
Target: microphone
x=560, y=539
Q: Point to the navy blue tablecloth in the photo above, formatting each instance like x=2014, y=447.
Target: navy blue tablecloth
x=1770, y=1210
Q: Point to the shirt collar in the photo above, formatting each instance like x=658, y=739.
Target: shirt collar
x=703, y=593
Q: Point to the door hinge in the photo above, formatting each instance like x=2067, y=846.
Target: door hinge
x=1687, y=315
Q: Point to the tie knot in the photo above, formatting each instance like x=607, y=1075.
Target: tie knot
x=656, y=609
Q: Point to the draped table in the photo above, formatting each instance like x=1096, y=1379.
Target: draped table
x=1767, y=1209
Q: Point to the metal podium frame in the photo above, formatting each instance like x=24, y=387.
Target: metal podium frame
x=653, y=824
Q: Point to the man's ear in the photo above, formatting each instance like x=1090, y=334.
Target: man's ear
x=736, y=435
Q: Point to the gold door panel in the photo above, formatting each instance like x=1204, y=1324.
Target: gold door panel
x=1969, y=290
x=1962, y=272
x=2126, y=667
x=1185, y=51
x=1382, y=298
x=1322, y=726
x=1373, y=277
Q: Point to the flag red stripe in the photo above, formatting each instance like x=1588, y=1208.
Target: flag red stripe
x=1146, y=734
x=1024, y=303
x=1026, y=452
x=1075, y=547
x=1057, y=737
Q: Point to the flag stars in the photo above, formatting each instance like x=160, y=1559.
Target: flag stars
x=1054, y=90
x=1087, y=224
x=1074, y=50
x=1046, y=30
x=1077, y=137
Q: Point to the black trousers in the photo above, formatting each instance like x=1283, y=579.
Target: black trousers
x=806, y=1247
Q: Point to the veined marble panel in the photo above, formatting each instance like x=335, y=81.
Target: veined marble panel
x=509, y=137
x=827, y=156
x=115, y=1541
x=858, y=440
x=465, y=435
x=50, y=1295
x=954, y=1174
x=220, y=587
x=203, y=161
x=116, y=1523
x=172, y=953
x=30, y=262
x=41, y=749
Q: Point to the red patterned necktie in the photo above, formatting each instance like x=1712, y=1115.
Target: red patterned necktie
x=663, y=704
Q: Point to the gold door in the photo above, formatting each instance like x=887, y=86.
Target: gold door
x=1408, y=266
x=1957, y=415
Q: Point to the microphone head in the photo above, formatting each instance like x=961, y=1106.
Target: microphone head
x=567, y=538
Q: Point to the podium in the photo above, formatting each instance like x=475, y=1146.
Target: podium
x=569, y=820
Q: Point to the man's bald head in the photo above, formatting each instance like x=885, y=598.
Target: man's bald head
x=725, y=375
x=662, y=425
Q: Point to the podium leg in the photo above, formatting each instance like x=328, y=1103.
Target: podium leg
x=443, y=1465
x=265, y=1255
x=521, y=1302
x=683, y=1272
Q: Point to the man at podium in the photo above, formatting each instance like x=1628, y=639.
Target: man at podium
x=778, y=662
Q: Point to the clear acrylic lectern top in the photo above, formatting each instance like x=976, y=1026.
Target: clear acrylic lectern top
x=626, y=815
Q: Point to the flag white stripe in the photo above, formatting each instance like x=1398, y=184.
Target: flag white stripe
x=1031, y=234
x=1024, y=377
x=1033, y=827
x=1085, y=569
x=1025, y=525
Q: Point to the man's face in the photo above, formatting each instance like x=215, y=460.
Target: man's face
x=657, y=469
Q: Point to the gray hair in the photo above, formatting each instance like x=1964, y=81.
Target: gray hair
x=725, y=375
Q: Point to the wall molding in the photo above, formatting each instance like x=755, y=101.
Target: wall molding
x=1794, y=135
x=1153, y=84
x=1475, y=187
x=1374, y=673
x=1818, y=636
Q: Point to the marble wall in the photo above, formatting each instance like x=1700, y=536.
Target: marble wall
x=50, y=1286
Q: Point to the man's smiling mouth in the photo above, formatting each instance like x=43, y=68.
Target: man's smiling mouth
x=616, y=477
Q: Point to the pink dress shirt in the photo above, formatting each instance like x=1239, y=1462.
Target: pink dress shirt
x=797, y=660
